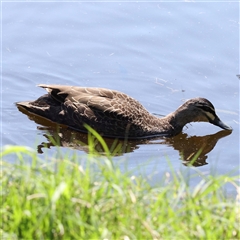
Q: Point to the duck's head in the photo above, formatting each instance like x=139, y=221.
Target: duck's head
x=202, y=110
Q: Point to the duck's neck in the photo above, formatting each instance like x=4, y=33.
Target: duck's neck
x=175, y=121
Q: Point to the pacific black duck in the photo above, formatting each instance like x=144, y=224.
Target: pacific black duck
x=115, y=114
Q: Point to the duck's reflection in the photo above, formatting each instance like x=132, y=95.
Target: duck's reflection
x=192, y=149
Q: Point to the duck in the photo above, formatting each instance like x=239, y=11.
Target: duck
x=115, y=114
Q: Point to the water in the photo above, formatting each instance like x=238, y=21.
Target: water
x=158, y=53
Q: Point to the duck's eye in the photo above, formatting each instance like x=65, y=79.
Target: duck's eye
x=209, y=112
x=208, y=109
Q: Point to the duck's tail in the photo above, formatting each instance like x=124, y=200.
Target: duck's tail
x=45, y=106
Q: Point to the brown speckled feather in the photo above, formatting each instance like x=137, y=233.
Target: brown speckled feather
x=115, y=114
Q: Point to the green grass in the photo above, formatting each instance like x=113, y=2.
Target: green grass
x=57, y=198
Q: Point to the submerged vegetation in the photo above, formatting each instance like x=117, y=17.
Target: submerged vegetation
x=58, y=198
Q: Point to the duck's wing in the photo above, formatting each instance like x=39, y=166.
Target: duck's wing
x=101, y=99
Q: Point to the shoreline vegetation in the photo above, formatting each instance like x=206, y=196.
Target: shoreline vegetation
x=57, y=198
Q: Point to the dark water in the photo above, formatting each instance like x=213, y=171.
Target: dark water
x=159, y=53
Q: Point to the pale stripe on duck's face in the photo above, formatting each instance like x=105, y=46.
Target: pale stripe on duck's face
x=210, y=115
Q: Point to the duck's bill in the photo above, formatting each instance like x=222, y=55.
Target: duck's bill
x=220, y=124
